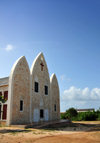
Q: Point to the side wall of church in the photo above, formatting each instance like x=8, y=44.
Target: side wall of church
x=40, y=101
x=55, y=99
x=19, y=93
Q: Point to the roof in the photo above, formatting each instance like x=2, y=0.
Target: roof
x=4, y=81
x=85, y=109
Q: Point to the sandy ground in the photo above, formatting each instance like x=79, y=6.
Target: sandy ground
x=80, y=134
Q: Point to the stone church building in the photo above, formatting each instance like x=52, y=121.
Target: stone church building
x=30, y=94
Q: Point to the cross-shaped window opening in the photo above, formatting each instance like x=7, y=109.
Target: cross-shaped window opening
x=42, y=65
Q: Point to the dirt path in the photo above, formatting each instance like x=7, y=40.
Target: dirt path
x=65, y=135
x=72, y=138
x=80, y=137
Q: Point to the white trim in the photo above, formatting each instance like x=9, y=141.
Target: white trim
x=34, y=62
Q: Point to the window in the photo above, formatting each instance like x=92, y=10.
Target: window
x=0, y=111
x=41, y=113
x=46, y=90
x=6, y=95
x=4, y=115
x=21, y=105
x=55, y=107
x=0, y=93
x=36, y=87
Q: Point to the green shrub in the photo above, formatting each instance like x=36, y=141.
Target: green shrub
x=98, y=114
x=81, y=116
x=71, y=112
x=63, y=115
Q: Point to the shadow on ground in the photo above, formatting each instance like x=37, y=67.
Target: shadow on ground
x=66, y=126
x=4, y=131
x=53, y=126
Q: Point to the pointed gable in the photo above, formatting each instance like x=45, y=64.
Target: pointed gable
x=39, y=64
x=19, y=92
x=40, y=87
x=55, y=99
x=54, y=81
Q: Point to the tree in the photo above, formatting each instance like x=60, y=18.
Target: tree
x=2, y=99
x=71, y=112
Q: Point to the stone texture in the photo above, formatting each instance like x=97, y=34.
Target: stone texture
x=55, y=98
x=19, y=89
x=40, y=100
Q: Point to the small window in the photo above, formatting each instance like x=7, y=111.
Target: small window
x=41, y=113
x=36, y=86
x=55, y=107
x=21, y=105
x=46, y=90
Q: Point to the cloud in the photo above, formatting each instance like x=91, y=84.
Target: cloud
x=80, y=98
x=9, y=47
x=64, y=78
x=78, y=94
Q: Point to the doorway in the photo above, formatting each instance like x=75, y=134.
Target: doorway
x=41, y=113
x=36, y=115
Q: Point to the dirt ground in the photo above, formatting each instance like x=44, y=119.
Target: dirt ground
x=83, y=132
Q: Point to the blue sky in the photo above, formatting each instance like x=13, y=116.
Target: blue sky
x=67, y=32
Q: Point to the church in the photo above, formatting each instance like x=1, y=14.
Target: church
x=30, y=94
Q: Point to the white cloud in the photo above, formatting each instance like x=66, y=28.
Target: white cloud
x=78, y=94
x=9, y=47
x=64, y=78
x=80, y=98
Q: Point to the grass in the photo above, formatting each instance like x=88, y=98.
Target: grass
x=87, y=122
x=1, y=125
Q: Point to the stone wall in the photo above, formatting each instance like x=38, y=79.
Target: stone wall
x=19, y=89
x=55, y=98
x=40, y=100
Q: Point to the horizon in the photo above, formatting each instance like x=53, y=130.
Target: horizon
x=68, y=34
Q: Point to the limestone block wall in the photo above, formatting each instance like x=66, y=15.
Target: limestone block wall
x=55, y=99
x=19, y=89
x=40, y=100
x=22, y=88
